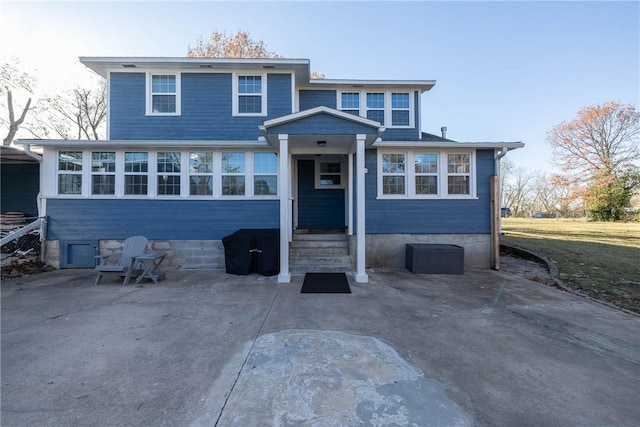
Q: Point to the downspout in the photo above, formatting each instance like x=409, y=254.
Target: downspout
x=496, y=211
x=41, y=207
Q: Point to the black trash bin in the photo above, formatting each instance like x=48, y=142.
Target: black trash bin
x=252, y=250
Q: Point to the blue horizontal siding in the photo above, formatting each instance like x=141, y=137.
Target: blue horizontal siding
x=157, y=219
x=322, y=124
x=206, y=108
x=317, y=98
x=433, y=216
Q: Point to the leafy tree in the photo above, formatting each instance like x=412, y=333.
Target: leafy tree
x=596, y=151
x=238, y=45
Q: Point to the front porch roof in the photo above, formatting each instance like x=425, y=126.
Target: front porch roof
x=336, y=128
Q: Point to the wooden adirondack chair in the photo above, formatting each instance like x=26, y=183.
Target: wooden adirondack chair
x=132, y=247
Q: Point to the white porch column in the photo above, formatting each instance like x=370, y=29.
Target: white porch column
x=361, y=249
x=285, y=223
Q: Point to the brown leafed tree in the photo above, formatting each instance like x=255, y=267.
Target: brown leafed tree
x=596, y=149
x=238, y=45
x=222, y=45
x=601, y=139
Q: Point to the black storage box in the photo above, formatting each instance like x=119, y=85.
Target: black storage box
x=252, y=250
x=434, y=258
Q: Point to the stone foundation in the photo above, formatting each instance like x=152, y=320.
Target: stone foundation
x=181, y=254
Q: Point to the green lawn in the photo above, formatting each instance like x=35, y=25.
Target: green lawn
x=596, y=258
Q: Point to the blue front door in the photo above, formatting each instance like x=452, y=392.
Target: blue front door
x=321, y=194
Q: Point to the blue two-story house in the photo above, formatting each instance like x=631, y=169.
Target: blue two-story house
x=200, y=147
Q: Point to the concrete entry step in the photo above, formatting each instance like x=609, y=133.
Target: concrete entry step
x=319, y=252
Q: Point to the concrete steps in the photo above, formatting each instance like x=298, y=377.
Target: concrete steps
x=319, y=253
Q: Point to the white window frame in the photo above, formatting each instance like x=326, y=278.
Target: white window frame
x=211, y=174
x=387, y=105
x=252, y=173
x=105, y=173
x=404, y=174
x=348, y=109
x=150, y=93
x=149, y=174
x=161, y=175
x=391, y=109
x=410, y=186
x=236, y=95
x=383, y=109
x=244, y=173
x=52, y=167
x=414, y=155
x=82, y=173
x=318, y=173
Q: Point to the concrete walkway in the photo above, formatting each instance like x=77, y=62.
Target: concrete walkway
x=205, y=348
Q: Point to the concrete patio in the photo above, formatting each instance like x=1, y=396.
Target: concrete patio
x=203, y=348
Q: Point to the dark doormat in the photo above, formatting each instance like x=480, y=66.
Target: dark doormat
x=325, y=283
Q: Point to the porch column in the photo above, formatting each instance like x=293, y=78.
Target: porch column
x=361, y=249
x=285, y=223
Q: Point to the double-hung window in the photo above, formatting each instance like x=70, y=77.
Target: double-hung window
x=250, y=95
x=169, y=173
x=426, y=173
x=163, y=94
x=458, y=174
x=103, y=172
x=392, y=109
x=70, y=172
x=421, y=174
x=233, y=174
x=393, y=173
x=375, y=106
x=265, y=170
x=201, y=173
x=350, y=102
x=136, y=169
x=400, y=109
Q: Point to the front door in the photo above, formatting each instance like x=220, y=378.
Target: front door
x=321, y=193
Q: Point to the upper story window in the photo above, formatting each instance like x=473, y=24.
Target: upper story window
x=400, y=109
x=392, y=109
x=163, y=94
x=423, y=174
x=350, y=102
x=70, y=172
x=250, y=95
x=103, y=172
x=375, y=107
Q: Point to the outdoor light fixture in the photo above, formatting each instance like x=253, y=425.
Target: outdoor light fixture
x=321, y=143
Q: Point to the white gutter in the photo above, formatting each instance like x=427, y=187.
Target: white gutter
x=28, y=152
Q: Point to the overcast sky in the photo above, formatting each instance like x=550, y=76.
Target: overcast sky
x=504, y=71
